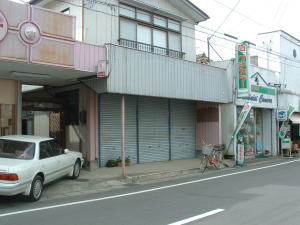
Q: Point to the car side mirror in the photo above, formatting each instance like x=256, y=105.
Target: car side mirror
x=66, y=151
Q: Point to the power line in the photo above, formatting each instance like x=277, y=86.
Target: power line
x=236, y=4
x=194, y=29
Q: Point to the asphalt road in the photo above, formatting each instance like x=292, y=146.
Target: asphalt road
x=268, y=194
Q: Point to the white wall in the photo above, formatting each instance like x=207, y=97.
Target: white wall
x=41, y=124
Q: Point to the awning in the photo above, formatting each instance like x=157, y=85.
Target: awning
x=295, y=118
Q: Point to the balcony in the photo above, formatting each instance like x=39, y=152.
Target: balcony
x=137, y=72
x=151, y=48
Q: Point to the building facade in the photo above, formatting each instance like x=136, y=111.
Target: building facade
x=258, y=133
x=139, y=51
x=282, y=55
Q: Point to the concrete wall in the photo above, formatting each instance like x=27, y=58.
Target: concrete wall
x=75, y=10
x=41, y=124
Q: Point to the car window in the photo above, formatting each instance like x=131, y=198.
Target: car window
x=16, y=149
x=56, y=148
x=45, y=150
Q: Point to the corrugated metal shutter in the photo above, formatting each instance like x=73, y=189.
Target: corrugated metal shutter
x=110, y=127
x=153, y=129
x=183, y=129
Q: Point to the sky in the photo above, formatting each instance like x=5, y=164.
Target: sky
x=243, y=19
x=249, y=18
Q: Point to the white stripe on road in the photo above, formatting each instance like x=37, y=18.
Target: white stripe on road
x=194, y=218
x=141, y=192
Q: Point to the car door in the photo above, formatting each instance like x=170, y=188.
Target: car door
x=64, y=162
x=48, y=161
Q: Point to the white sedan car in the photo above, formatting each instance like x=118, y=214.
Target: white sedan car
x=29, y=162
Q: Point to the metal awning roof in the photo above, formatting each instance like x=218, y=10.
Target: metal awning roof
x=39, y=74
x=295, y=118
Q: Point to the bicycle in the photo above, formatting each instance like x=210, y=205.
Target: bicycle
x=212, y=155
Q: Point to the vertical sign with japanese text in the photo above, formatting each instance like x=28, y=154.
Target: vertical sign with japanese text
x=284, y=127
x=242, y=70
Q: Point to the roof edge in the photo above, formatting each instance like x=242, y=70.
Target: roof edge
x=197, y=9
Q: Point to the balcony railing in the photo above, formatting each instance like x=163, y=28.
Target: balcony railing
x=151, y=48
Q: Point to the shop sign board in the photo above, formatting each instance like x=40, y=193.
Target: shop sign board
x=240, y=155
x=243, y=115
x=242, y=57
x=282, y=114
x=284, y=127
x=261, y=96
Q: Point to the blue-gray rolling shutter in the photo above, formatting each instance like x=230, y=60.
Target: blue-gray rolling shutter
x=153, y=129
x=110, y=127
x=183, y=129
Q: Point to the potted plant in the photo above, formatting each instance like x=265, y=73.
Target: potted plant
x=111, y=163
x=127, y=161
x=119, y=161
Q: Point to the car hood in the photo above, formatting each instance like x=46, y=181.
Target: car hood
x=7, y=164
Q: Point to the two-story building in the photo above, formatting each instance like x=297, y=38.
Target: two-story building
x=282, y=53
x=147, y=58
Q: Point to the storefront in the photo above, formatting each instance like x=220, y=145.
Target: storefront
x=156, y=129
x=258, y=132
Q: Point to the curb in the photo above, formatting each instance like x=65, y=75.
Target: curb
x=160, y=175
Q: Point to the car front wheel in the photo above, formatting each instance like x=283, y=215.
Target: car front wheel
x=36, y=189
x=76, y=170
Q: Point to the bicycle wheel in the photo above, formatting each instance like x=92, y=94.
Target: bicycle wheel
x=203, y=163
x=218, y=157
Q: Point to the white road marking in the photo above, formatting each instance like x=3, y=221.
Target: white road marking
x=194, y=218
x=144, y=191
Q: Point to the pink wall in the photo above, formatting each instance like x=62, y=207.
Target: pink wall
x=208, y=124
x=92, y=125
x=87, y=56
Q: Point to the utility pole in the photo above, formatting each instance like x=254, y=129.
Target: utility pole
x=123, y=134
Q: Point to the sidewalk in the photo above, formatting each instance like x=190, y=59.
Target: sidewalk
x=105, y=179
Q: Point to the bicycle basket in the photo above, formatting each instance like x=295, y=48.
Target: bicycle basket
x=207, y=149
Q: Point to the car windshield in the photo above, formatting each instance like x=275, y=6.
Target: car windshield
x=16, y=149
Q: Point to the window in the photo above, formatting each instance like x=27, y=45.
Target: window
x=174, y=42
x=160, y=38
x=144, y=34
x=128, y=30
x=127, y=11
x=144, y=38
x=174, y=25
x=16, y=149
x=66, y=11
x=56, y=148
x=143, y=16
x=45, y=150
x=145, y=31
x=160, y=21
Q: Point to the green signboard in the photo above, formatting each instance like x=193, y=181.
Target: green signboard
x=242, y=70
x=263, y=90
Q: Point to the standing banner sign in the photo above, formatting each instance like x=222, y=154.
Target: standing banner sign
x=284, y=126
x=242, y=57
x=243, y=115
